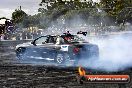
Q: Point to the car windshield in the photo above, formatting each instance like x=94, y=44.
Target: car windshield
x=41, y=40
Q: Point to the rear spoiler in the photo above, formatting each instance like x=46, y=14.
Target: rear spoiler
x=84, y=33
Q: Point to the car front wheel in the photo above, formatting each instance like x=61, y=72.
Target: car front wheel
x=20, y=52
x=64, y=59
x=60, y=59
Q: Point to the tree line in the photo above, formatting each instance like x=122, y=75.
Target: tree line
x=104, y=13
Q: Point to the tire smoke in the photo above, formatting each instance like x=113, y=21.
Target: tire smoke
x=115, y=53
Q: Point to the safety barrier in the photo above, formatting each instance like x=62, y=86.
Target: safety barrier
x=8, y=43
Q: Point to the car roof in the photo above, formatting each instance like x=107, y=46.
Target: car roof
x=54, y=35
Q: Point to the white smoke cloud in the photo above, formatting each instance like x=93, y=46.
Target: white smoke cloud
x=115, y=54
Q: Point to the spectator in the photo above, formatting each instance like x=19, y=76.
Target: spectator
x=2, y=37
x=23, y=35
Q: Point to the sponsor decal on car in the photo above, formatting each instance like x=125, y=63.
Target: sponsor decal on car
x=64, y=47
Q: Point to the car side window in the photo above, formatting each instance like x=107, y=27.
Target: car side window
x=41, y=40
x=50, y=40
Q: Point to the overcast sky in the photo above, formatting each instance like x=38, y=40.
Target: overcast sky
x=29, y=6
x=8, y=6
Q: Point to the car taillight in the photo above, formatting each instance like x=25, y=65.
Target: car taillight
x=76, y=50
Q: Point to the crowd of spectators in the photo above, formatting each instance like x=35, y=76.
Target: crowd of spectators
x=20, y=35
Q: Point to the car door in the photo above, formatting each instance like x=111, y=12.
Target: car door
x=43, y=49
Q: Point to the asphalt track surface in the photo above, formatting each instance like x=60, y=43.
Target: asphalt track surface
x=15, y=75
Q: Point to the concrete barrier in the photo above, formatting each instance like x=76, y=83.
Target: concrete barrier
x=8, y=43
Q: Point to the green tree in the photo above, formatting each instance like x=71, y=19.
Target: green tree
x=112, y=12
x=121, y=10
x=18, y=16
x=66, y=9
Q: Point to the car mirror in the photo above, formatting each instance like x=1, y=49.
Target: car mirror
x=33, y=42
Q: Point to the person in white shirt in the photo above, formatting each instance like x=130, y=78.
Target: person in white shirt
x=59, y=40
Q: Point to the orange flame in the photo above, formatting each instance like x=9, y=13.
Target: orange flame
x=81, y=71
